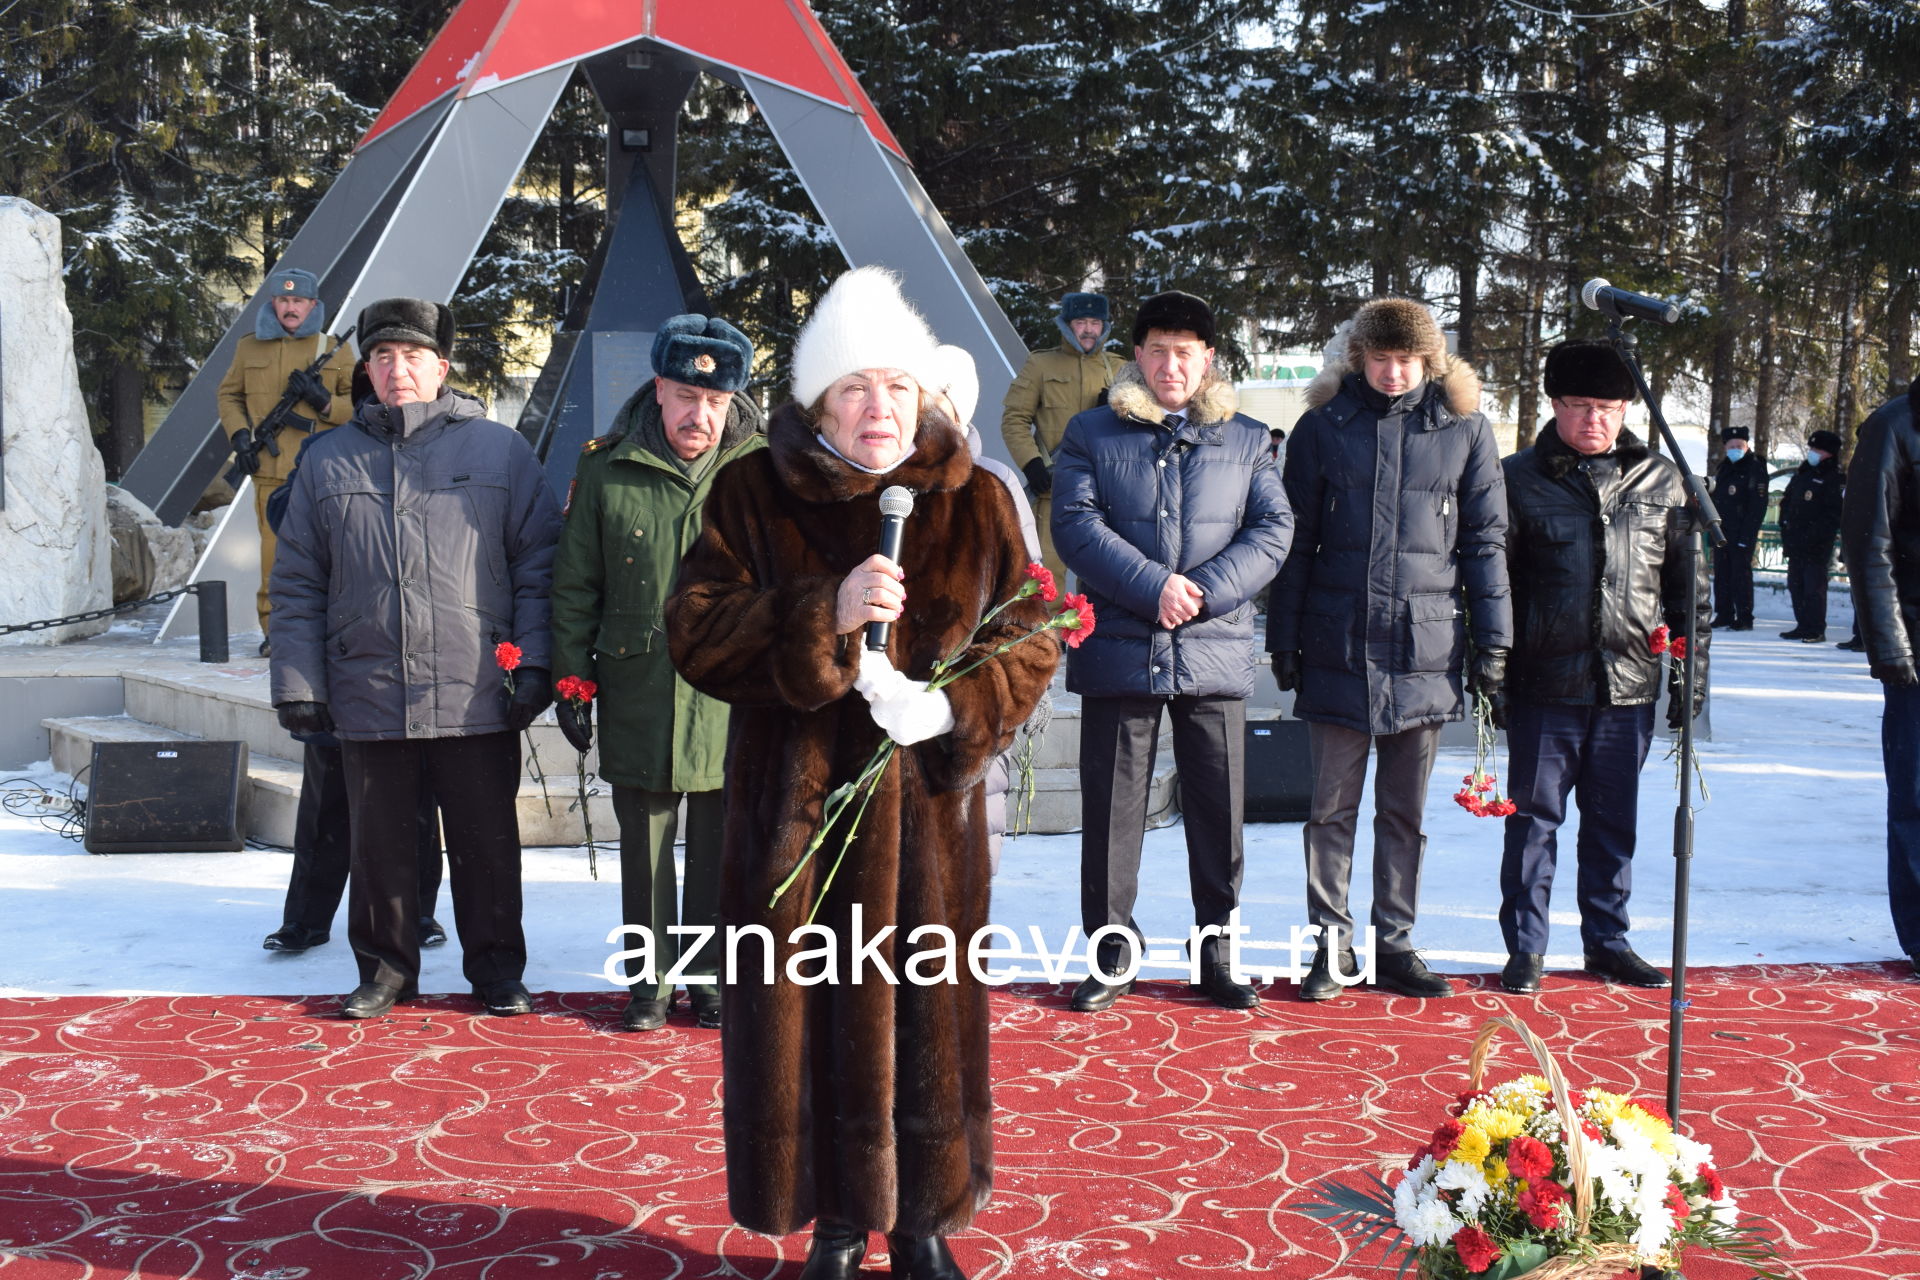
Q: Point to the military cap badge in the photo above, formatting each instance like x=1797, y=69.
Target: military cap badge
x=704, y=363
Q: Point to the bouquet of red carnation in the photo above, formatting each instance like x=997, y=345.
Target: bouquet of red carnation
x=1073, y=619
x=506, y=656
x=1480, y=795
x=580, y=692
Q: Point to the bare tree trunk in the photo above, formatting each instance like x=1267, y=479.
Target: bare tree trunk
x=1900, y=337
x=1732, y=226
x=1764, y=381
x=126, y=429
x=1468, y=273
x=1844, y=395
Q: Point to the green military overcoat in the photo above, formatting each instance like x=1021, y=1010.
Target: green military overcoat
x=631, y=515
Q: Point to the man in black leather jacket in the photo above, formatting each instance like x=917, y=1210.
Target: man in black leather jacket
x=1880, y=538
x=1740, y=495
x=1596, y=546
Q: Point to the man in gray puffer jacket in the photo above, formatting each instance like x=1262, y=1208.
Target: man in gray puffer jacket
x=417, y=539
x=1167, y=506
x=1401, y=541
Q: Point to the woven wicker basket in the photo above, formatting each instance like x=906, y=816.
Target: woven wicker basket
x=1601, y=1262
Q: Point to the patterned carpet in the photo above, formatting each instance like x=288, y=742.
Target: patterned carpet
x=264, y=1138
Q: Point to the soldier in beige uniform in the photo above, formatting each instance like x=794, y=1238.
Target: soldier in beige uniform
x=1056, y=384
x=289, y=335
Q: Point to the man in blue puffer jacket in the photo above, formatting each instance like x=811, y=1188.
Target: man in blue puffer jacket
x=1396, y=480
x=1168, y=507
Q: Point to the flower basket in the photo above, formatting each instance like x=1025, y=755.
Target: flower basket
x=1535, y=1178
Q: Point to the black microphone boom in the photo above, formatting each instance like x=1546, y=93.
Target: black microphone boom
x=896, y=504
x=1598, y=295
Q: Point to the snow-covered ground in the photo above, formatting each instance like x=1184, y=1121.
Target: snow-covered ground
x=1789, y=865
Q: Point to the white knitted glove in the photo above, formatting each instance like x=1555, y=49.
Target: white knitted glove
x=908, y=710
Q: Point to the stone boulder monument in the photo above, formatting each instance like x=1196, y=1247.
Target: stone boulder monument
x=54, y=540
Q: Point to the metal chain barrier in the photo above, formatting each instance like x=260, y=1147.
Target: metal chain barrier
x=210, y=596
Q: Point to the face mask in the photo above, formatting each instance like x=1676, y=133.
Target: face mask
x=1736, y=452
x=1815, y=457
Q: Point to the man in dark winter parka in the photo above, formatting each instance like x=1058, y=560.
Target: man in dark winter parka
x=1399, y=548
x=1167, y=506
x=1809, y=523
x=1597, y=549
x=1740, y=495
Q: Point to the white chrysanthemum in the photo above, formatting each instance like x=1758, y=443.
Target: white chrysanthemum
x=1725, y=1214
x=1431, y=1222
x=1689, y=1155
x=1470, y=1182
x=1617, y=1187
x=1655, y=1220
x=1412, y=1190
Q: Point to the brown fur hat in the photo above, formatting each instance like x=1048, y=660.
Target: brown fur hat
x=1394, y=324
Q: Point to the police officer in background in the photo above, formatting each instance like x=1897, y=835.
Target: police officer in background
x=1740, y=494
x=1056, y=384
x=1809, y=523
x=289, y=335
x=632, y=513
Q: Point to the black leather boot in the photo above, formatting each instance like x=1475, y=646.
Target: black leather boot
x=836, y=1251
x=1522, y=974
x=1099, y=989
x=1406, y=973
x=1319, y=983
x=922, y=1258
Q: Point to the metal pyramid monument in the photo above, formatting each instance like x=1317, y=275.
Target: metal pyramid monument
x=407, y=213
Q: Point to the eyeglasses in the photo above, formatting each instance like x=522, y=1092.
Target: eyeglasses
x=1603, y=409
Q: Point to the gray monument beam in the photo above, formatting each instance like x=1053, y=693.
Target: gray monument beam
x=879, y=213
x=189, y=449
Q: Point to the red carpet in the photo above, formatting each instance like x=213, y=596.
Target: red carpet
x=262, y=1138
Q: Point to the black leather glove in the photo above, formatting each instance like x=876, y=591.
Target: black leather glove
x=1286, y=670
x=1488, y=679
x=308, y=387
x=532, y=694
x=1899, y=673
x=576, y=723
x=1039, y=477
x=304, y=717
x=1677, y=697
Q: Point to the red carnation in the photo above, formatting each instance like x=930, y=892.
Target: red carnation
x=507, y=655
x=1075, y=619
x=1678, y=1203
x=574, y=689
x=1529, y=1158
x=1543, y=1202
x=1445, y=1139
x=1716, y=1189
x=1476, y=1249
x=1680, y=649
x=1044, y=586
x=1657, y=642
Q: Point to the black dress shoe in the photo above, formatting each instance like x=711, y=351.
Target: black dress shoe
x=922, y=1258
x=1096, y=995
x=1406, y=973
x=1217, y=981
x=1742, y=626
x=294, y=938
x=1720, y=622
x=431, y=934
x=643, y=1013
x=1814, y=637
x=1798, y=633
x=1620, y=964
x=505, y=998
x=1319, y=983
x=1855, y=645
x=836, y=1251
x=1522, y=974
x=371, y=999
x=706, y=1008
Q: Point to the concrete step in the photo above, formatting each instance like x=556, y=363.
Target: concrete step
x=1056, y=800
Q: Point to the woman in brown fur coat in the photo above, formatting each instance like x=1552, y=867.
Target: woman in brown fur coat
x=861, y=1101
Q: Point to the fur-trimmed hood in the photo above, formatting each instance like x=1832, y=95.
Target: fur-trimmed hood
x=267, y=326
x=1454, y=376
x=940, y=461
x=1130, y=397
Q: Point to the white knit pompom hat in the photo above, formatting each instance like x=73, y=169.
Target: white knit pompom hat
x=960, y=380
x=863, y=322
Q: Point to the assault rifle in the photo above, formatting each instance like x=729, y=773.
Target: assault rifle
x=250, y=440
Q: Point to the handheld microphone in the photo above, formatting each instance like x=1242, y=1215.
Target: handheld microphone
x=1598, y=295
x=896, y=504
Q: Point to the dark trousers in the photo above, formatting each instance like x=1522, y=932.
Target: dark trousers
x=1733, y=583
x=1399, y=844
x=1119, y=739
x=322, y=842
x=1807, y=589
x=649, y=892
x=1594, y=753
x=475, y=780
x=1900, y=748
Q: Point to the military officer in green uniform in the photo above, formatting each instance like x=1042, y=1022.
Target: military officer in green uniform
x=632, y=512
x=1054, y=385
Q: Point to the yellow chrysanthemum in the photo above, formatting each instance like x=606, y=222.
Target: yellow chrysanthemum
x=1497, y=1123
x=1497, y=1170
x=1472, y=1148
x=1653, y=1129
x=1605, y=1107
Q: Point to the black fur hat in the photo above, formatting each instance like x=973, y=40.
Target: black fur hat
x=1083, y=306
x=1827, y=440
x=703, y=351
x=1736, y=433
x=1174, y=312
x=414, y=320
x=1589, y=368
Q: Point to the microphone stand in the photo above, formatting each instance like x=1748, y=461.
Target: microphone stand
x=1701, y=511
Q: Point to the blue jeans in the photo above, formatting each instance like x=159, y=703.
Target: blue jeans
x=1596, y=754
x=1900, y=748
